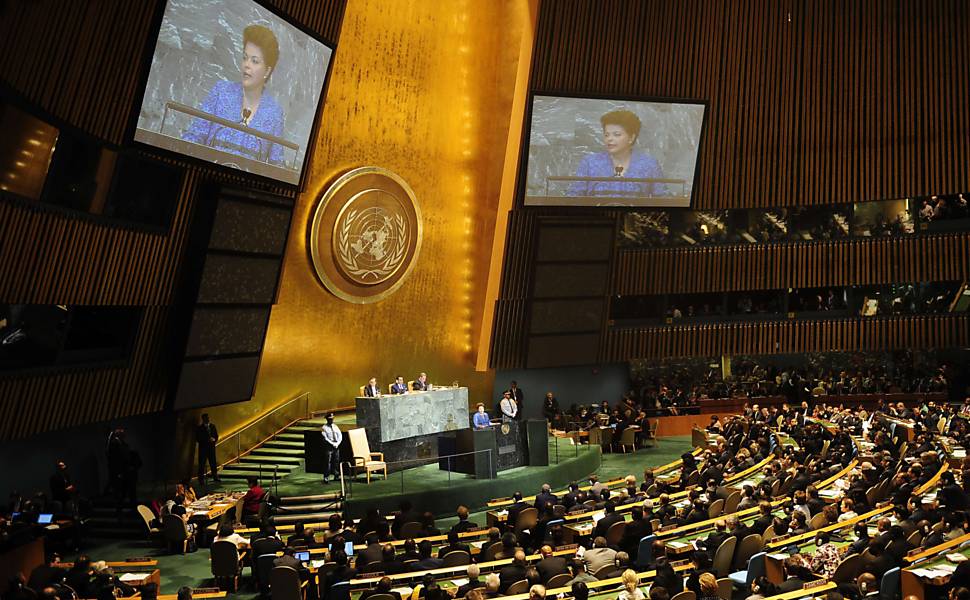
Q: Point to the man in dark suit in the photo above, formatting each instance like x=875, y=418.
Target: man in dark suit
x=399, y=387
x=796, y=575
x=545, y=497
x=513, y=572
x=549, y=566
x=474, y=582
x=463, y=523
x=289, y=560
x=764, y=518
x=712, y=542
x=372, y=553
x=637, y=529
x=371, y=390
x=206, y=437
x=517, y=506
x=266, y=541
x=453, y=545
x=389, y=561
x=421, y=383
x=569, y=498
x=611, y=517
x=426, y=561
x=383, y=587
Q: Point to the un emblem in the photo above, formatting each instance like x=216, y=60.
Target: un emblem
x=365, y=235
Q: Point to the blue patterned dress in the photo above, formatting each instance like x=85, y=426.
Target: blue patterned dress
x=225, y=100
x=601, y=165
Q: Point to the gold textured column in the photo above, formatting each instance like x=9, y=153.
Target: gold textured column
x=424, y=89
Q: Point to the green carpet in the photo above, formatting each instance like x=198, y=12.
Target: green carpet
x=193, y=569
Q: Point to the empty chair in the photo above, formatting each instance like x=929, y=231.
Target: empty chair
x=411, y=529
x=527, y=519
x=818, y=521
x=628, y=438
x=848, y=569
x=715, y=509
x=749, y=546
x=645, y=551
x=889, y=586
x=724, y=588
x=519, y=587
x=225, y=564
x=723, y=557
x=148, y=517
x=456, y=558
x=261, y=569
x=285, y=584
x=731, y=504
x=756, y=568
x=175, y=532
x=488, y=553
x=615, y=533
x=365, y=460
x=685, y=595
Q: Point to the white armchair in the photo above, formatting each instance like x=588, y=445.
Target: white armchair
x=364, y=459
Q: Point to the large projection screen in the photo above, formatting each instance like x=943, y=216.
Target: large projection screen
x=611, y=152
x=234, y=84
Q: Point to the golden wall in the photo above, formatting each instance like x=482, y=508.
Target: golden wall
x=424, y=89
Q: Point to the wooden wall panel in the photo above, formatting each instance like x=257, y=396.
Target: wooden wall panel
x=811, y=101
x=80, y=62
x=943, y=257
x=782, y=337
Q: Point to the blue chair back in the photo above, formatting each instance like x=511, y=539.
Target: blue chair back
x=756, y=568
x=889, y=586
x=645, y=551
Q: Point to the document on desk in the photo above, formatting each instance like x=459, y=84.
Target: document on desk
x=129, y=577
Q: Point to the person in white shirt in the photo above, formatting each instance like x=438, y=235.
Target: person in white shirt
x=508, y=407
x=331, y=438
x=227, y=534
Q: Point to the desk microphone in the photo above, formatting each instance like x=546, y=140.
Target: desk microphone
x=618, y=171
x=246, y=113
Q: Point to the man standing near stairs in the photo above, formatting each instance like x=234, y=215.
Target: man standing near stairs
x=332, y=437
x=206, y=437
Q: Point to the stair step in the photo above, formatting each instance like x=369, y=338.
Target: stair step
x=306, y=518
x=282, y=444
x=311, y=508
x=235, y=467
x=290, y=436
x=240, y=474
x=288, y=500
x=263, y=451
x=118, y=533
x=272, y=459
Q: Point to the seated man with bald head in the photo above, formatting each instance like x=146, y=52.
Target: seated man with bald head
x=512, y=573
x=549, y=566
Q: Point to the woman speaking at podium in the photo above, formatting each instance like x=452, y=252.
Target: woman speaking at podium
x=245, y=102
x=621, y=129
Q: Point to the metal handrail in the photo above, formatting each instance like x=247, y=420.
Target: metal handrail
x=237, y=435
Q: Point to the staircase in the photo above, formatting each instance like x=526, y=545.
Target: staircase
x=283, y=452
x=104, y=520
x=307, y=509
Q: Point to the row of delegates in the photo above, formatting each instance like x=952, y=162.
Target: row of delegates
x=421, y=384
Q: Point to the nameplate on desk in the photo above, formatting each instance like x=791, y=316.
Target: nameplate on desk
x=208, y=590
x=377, y=574
x=567, y=547
x=814, y=584
x=780, y=538
x=680, y=563
x=138, y=559
x=666, y=528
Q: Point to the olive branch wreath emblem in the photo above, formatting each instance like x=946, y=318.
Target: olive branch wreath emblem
x=350, y=261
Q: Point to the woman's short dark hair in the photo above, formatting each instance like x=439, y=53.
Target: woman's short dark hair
x=580, y=591
x=225, y=530
x=626, y=119
x=264, y=38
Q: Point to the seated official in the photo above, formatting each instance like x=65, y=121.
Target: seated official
x=480, y=420
x=371, y=390
x=421, y=383
x=399, y=387
x=383, y=587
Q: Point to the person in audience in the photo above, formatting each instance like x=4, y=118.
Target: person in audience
x=426, y=561
x=599, y=556
x=549, y=565
x=667, y=578
x=513, y=572
x=43, y=575
x=631, y=589
x=579, y=590
x=702, y=564
x=609, y=518
x=383, y=587
x=577, y=568
x=493, y=583
x=658, y=593
x=266, y=541
x=796, y=575
x=390, y=563
x=637, y=529
x=428, y=527
x=289, y=559
x=708, y=586
x=253, y=498
x=537, y=592
x=545, y=497
x=472, y=572
x=421, y=384
x=372, y=553
x=342, y=572
x=184, y=593
x=826, y=556
x=463, y=523
x=226, y=533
